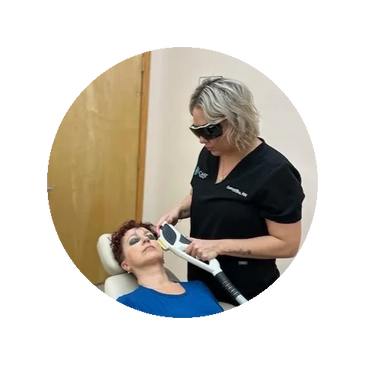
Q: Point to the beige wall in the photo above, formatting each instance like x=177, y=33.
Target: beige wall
x=172, y=150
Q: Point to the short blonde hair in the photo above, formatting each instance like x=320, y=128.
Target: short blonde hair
x=228, y=99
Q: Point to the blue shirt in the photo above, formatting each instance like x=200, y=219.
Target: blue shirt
x=196, y=301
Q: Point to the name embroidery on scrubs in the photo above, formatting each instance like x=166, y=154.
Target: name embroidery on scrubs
x=237, y=191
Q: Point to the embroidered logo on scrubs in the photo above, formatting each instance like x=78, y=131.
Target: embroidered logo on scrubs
x=237, y=191
x=200, y=173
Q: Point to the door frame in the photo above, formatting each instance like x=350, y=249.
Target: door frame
x=146, y=68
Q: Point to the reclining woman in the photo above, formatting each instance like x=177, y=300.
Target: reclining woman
x=136, y=249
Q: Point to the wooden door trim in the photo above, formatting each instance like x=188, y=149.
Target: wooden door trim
x=146, y=62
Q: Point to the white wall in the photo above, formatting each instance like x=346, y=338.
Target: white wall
x=172, y=149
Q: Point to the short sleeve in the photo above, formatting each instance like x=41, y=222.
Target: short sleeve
x=282, y=195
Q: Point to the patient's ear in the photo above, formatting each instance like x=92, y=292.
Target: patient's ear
x=125, y=266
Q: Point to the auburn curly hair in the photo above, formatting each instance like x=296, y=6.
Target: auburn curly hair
x=116, y=238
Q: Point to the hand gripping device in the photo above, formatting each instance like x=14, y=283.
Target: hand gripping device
x=171, y=239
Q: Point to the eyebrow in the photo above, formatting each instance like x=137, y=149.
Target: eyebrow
x=133, y=234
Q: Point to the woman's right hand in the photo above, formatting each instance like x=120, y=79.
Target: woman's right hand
x=172, y=217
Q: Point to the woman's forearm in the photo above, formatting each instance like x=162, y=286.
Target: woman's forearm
x=265, y=247
x=185, y=206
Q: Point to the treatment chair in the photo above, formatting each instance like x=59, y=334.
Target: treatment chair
x=119, y=282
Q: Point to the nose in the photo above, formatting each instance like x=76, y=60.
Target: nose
x=146, y=240
x=202, y=140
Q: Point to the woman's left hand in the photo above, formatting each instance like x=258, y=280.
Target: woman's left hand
x=205, y=250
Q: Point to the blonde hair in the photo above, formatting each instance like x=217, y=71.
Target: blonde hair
x=227, y=99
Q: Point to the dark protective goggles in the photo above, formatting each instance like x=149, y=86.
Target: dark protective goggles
x=207, y=131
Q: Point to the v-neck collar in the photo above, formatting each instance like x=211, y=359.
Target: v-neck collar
x=243, y=161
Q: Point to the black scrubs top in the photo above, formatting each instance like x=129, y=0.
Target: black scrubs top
x=263, y=185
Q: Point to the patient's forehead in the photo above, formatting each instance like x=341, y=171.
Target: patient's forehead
x=136, y=232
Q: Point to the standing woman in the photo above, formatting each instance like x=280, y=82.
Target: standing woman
x=245, y=202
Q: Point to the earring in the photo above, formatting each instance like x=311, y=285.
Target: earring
x=128, y=272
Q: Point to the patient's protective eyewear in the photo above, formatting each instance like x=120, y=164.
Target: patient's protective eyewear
x=207, y=131
x=134, y=239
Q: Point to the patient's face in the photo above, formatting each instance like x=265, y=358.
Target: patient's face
x=140, y=247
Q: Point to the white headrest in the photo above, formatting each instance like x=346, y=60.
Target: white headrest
x=106, y=255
